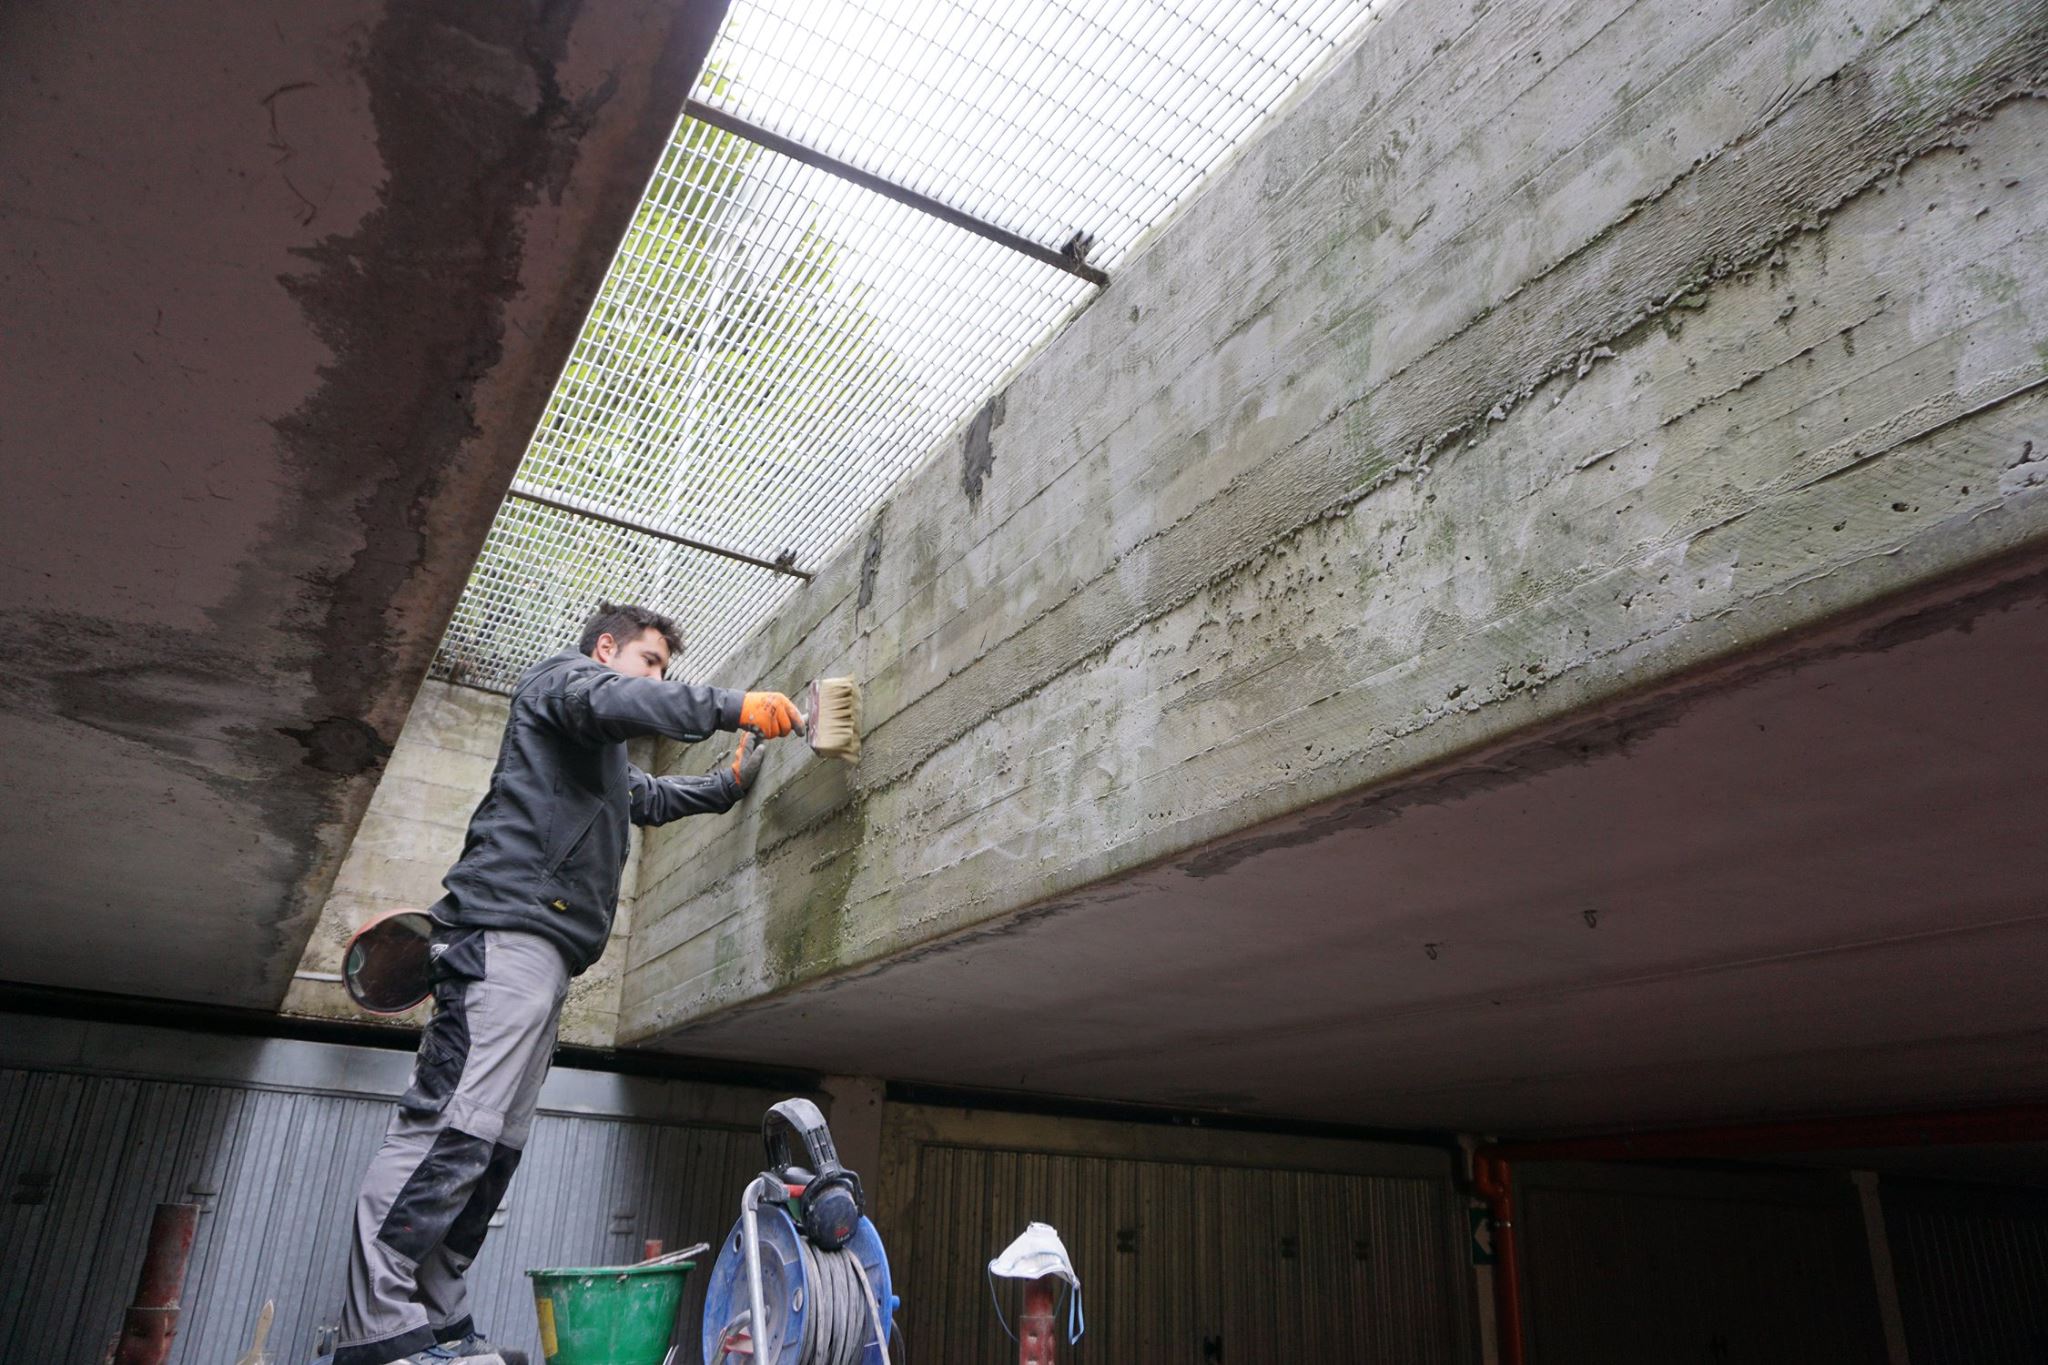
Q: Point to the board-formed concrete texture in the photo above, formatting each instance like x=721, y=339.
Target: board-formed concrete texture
x=284, y=289
x=410, y=836
x=1540, y=357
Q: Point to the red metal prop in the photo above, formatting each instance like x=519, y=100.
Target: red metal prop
x=1037, y=1336
x=149, y=1326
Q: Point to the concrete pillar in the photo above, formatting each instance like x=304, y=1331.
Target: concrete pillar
x=855, y=1112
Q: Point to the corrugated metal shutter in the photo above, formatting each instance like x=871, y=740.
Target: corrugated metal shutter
x=85, y=1158
x=1192, y=1260
x=1627, y=1264
x=1972, y=1268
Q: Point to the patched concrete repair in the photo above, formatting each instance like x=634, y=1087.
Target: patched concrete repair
x=1539, y=358
x=285, y=292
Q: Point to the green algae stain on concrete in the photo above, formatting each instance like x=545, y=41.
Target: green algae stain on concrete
x=1995, y=281
x=805, y=887
x=728, y=962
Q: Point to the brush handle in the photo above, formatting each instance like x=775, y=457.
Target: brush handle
x=685, y=1254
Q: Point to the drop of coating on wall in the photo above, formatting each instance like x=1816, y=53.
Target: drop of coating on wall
x=871, y=561
x=977, y=455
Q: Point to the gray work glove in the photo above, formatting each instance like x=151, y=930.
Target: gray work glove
x=746, y=760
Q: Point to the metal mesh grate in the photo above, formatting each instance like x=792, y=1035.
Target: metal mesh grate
x=1090, y=116
x=773, y=345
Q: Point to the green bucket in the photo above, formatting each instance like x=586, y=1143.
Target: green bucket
x=608, y=1315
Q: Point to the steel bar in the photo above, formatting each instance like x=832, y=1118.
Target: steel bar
x=923, y=203
x=578, y=509
x=750, y=1235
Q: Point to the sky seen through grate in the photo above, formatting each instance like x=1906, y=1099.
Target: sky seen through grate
x=774, y=346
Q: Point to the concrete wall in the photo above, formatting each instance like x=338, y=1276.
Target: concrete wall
x=1543, y=352
x=412, y=833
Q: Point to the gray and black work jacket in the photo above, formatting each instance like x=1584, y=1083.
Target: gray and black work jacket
x=547, y=844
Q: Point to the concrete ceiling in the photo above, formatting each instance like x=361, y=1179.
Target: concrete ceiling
x=1815, y=883
x=282, y=291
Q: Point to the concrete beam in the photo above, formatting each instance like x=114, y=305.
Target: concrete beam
x=1542, y=354
x=285, y=289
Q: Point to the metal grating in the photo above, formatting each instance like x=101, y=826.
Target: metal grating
x=774, y=345
x=1047, y=119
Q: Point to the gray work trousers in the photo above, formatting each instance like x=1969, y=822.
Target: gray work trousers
x=451, y=1148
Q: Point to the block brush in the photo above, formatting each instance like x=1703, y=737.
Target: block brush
x=832, y=720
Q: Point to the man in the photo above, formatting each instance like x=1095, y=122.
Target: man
x=529, y=906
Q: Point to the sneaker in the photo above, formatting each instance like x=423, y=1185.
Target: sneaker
x=471, y=1350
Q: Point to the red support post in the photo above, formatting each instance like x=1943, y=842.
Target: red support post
x=149, y=1325
x=1494, y=1180
x=1037, y=1329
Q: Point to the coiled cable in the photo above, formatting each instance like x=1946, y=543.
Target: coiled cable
x=843, y=1315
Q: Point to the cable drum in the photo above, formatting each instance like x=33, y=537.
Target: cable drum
x=822, y=1307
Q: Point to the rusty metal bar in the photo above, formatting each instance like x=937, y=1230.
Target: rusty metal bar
x=868, y=180
x=1492, y=1180
x=577, y=508
x=151, y=1322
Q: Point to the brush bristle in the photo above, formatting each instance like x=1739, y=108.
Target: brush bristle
x=834, y=721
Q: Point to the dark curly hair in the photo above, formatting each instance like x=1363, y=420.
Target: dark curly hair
x=624, y=622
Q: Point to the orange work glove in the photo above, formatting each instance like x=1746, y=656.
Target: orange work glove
x=746, y=760
x=770, y=715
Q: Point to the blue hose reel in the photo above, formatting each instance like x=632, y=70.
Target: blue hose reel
x=825, y=1296
x=789, y=1296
